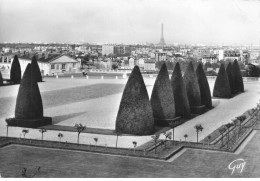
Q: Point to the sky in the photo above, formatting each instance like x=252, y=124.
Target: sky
x=208, y=22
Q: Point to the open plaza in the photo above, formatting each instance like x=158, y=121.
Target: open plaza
x=94, y=103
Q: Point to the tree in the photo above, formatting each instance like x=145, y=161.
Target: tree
x=1, y=79
x=79, y=128
x=15, y=72
x=42, y=130
x=253, y=71
x=155, y=138
x=172, y=125
x=36, y=70
x=158, y=64
x=25, y=131
x=96, y=140
x=167, y=136
x=192, y=87
x=209, y=138
x=228, y=125
x=85, y=59
x=198, y=128
x=60, y=135
x=162, y=99
x=28, y=101
x=182, y=107
x=230, y=77
x=117, y=135
x=7, y=130
x=237, y=78
x=185, y=137
x=222, y=131
x=241, y=65
x=204, y=87
x=240, y=120
x=207, y=65
x=135, y=115
x=215, y=65
x=114, y=66
x=222, y=87
x=134, y=143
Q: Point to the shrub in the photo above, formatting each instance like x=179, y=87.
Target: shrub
x=15, y=72
x=29, y=101
x=237, y=78
x=222, y=86
x=230, y=77
x=135, y=114
x=36, y=70
x=182, y=106
x=1, y=79
x=204, y=87
x=192, y=86
x=162, y=100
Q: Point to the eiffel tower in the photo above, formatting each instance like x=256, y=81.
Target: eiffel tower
x=162, y=42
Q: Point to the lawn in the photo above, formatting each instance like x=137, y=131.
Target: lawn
x=61, y=163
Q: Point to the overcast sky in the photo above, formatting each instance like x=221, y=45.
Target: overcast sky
x=131, y=21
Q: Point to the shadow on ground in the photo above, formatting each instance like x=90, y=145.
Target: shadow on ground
x=60, y=118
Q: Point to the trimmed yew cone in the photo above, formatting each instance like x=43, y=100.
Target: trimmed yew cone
x=36, y=70
x=29, y=101
x=222, y=86
x=29, y=109
x=15, y=72
x=237, y=78
x=192, y=87
x=162, y=99
x=1, y=79
x=230, y=77
x=182, y=107
x=204, y=87
x=135, y=114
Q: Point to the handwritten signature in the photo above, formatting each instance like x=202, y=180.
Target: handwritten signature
x=237, y=164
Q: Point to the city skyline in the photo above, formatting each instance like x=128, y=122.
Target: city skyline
x=235, y=22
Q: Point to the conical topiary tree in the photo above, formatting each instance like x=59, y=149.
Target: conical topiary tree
x=29, y=101
x=29, y=108
x=135, y=114
x=222, y=86
x=192, y=87
x=36, y=70
x=237, y=78
x=162, y=99
x=1, y=79
x=230, y=77
x=204, y=87
x=182, y=107
x=15, y=72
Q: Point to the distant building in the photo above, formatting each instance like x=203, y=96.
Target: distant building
x=253, y=55
x=132, y=62
x=232, y=55
x=116, y=50
x=5, y=61
x=160, y=56
x=210, y=59
x=199, y=53
x=107, y=49
x=149, y=64
x=61, y=64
